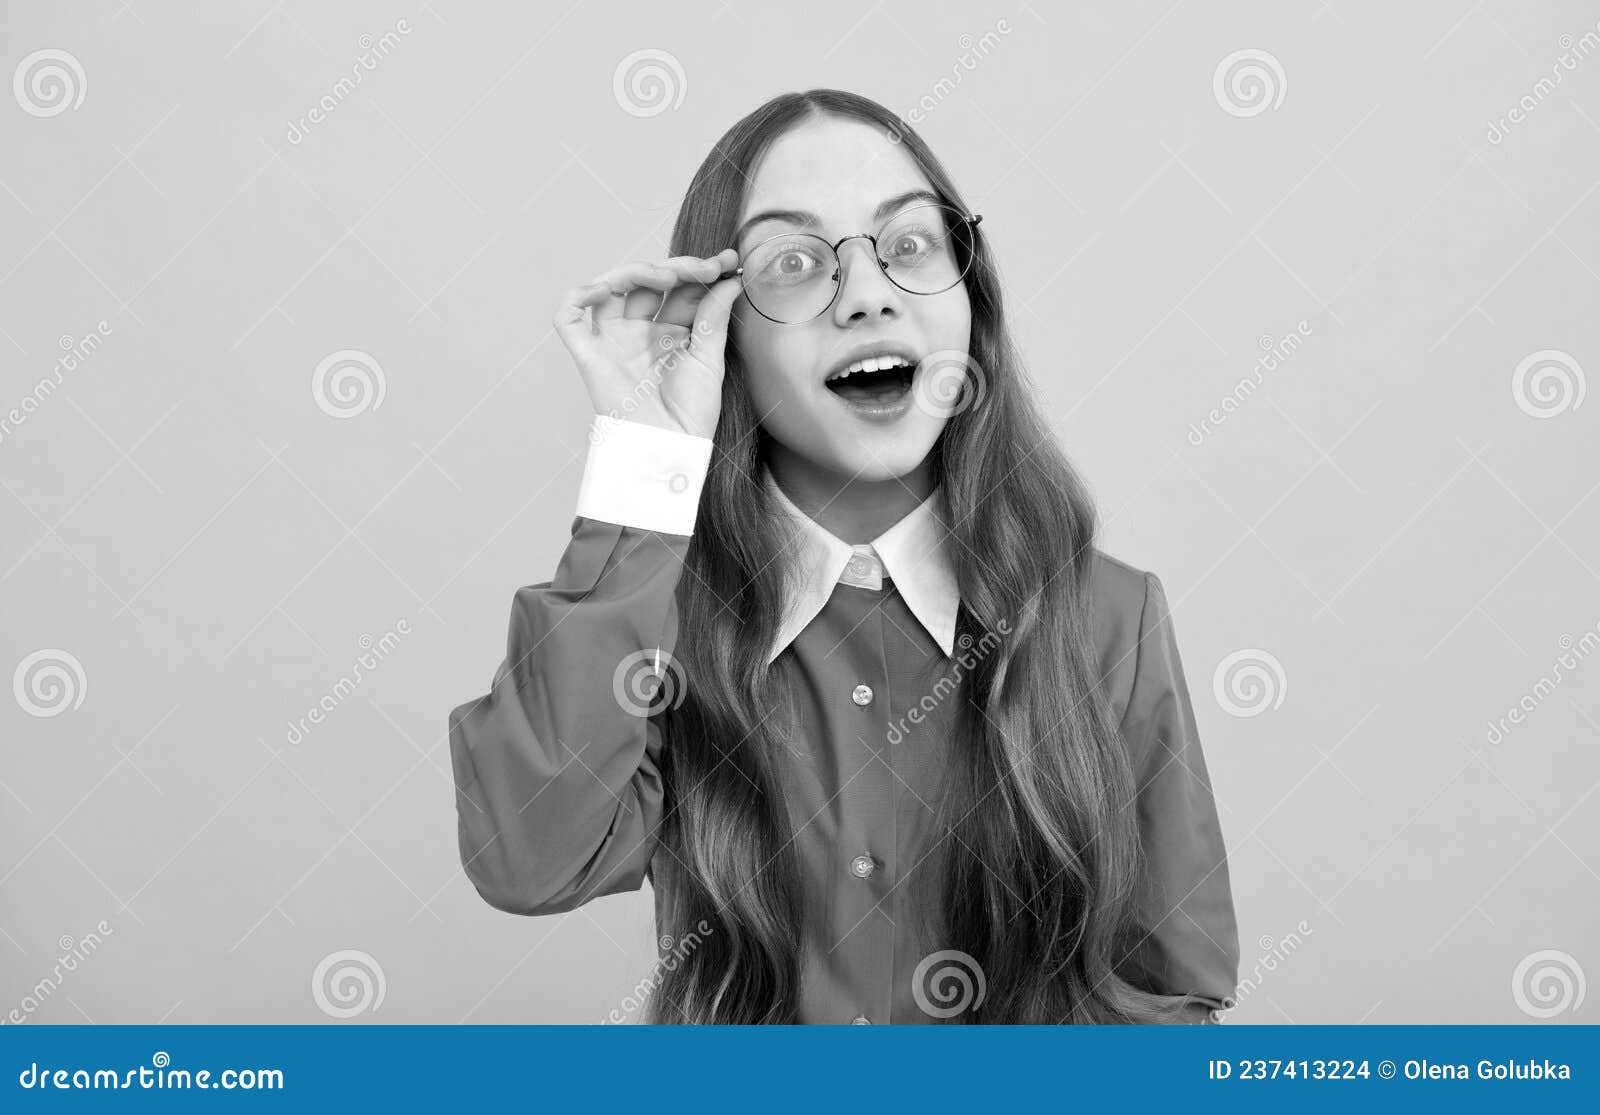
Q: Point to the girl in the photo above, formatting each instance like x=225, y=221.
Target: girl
x=831, y=658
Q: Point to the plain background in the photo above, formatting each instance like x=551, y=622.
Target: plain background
x=1381, y=518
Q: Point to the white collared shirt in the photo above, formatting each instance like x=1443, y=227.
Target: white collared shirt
x=914, y=554
x=648, y=476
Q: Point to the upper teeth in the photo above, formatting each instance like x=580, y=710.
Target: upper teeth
x=870, y=364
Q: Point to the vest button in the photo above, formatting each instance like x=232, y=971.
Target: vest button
x=862, y=866
x=861, y=694
x=861, y=1020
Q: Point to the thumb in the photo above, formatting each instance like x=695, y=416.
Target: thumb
x=709, y=338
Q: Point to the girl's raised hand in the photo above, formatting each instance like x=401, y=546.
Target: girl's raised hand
x=654, y=350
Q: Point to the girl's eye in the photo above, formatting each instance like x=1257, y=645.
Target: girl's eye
x=909, y=244
x=786, y=264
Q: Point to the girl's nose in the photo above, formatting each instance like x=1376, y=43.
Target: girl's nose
x=864, y=288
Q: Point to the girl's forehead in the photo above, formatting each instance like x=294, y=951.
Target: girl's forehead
x=841, y=171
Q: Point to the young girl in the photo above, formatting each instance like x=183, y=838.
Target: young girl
x=831, y=658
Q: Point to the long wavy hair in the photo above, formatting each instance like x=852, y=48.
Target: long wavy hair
x=1041, y=847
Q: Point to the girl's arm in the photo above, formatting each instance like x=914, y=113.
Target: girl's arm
x=557, y=769
x=1190, y=942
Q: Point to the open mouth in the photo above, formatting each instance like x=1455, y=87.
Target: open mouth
x=877, y=382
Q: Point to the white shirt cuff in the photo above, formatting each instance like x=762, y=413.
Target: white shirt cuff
x=643, y=476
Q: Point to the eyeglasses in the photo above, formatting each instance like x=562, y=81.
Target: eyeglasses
x=794, y=277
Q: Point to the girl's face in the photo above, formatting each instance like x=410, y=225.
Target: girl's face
x=841, y=172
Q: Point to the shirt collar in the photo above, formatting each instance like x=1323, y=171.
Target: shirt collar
x=914, y=553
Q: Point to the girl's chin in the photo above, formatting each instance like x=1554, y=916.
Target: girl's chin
x=886, y=455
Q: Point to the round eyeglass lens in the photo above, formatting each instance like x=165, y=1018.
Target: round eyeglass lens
x=794, y=276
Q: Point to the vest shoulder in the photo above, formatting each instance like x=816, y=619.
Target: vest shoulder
x=1115, y=587
x=1117, y=594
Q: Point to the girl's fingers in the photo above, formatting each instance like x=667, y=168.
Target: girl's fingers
x=572, y=323
x=641, y=303
x=657, y=276
x=709, y=339
x=624, y=279
x=679, y=306
x=637, y=290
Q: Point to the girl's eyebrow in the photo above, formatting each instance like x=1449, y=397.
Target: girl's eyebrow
x=802, y=217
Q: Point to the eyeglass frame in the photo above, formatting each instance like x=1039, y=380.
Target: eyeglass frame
x=970, y=221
